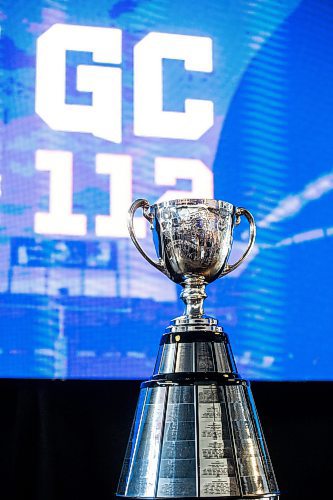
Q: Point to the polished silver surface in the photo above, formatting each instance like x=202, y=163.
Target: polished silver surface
x=192, y=357
x=217, y=464
x=187, y=442
x=131, y=447
x=196, y=432
x=168, y=358
x=194, y=324
x=185, y=361
x=194, y=241
x=178, y=469
x=204, y=357
x=142, y=476
x=249, y=449
x=222, y=360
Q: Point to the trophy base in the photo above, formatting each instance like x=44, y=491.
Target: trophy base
x=196, y=433
x=256, y=497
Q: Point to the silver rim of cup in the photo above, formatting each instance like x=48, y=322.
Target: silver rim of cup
x=190, y=202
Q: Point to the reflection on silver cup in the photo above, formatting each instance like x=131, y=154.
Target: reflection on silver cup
x=193, y=239
x=194, y=236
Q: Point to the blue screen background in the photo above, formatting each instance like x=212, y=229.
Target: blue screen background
x=88, y=307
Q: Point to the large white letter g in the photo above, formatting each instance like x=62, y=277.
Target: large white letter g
x=103, y=117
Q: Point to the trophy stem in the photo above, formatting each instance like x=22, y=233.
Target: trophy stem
x=193, y=295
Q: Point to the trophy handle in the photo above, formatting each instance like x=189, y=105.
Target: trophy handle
x=144, y=204
x=239, y=212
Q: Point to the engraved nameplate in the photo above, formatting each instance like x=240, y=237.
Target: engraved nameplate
x=222, y=362
x=217, y=468
x=168, y=358
x=143, y=476
x=184, y=360
x=177, y=473
x=204, y=357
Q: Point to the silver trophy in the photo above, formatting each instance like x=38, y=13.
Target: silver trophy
x=196, y=431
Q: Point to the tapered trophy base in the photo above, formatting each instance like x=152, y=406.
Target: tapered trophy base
x=196, y=432
x=251, y=497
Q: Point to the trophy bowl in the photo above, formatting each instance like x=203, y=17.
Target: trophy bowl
x=193, y=237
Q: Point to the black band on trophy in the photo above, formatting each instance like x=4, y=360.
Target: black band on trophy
x=194, y=336
x=190, y=378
